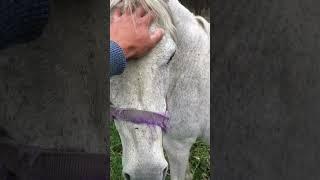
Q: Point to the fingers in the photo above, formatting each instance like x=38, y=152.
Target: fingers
x=148, y=18
x=156, y=36
x=140, y=12
x=142, y=15
x=127, y=12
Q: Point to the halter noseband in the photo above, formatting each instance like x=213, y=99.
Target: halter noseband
x=140, y=117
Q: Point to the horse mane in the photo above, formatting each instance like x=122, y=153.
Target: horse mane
x=158, y=8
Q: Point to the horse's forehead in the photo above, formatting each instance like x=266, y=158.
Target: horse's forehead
x=141, y=85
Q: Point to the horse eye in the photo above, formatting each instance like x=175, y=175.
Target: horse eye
x=171, y=57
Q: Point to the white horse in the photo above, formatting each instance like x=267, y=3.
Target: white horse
x=172, y=78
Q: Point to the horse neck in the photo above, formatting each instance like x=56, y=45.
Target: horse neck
x=191, y=36
x=186, y=25
x=181, y=16
x=193, y=47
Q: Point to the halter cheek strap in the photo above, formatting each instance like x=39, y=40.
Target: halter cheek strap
x=140, y=117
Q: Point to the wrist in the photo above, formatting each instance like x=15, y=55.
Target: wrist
x=120, y=47
x=126, y=48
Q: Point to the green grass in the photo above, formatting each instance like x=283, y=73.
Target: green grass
x=199, y=159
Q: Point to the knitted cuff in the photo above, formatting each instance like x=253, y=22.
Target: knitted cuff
x=117, y=59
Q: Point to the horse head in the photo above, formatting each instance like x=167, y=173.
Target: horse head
x=139, y=99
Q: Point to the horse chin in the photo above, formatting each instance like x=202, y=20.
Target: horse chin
x=142, y=156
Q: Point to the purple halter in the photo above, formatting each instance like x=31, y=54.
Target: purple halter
x=140, y=117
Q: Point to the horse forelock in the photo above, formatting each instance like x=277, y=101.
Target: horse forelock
x=158, y=8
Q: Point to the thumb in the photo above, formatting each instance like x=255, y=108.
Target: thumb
x=157, y=36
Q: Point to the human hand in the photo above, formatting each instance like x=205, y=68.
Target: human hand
x=131, y=32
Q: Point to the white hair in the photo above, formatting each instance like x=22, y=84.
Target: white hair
x=158, y=8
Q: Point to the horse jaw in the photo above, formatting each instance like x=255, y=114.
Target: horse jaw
x=143, y=156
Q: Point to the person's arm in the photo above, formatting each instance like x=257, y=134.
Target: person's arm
x=21, y=20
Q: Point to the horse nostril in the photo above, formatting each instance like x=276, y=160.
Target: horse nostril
x=126, y=176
